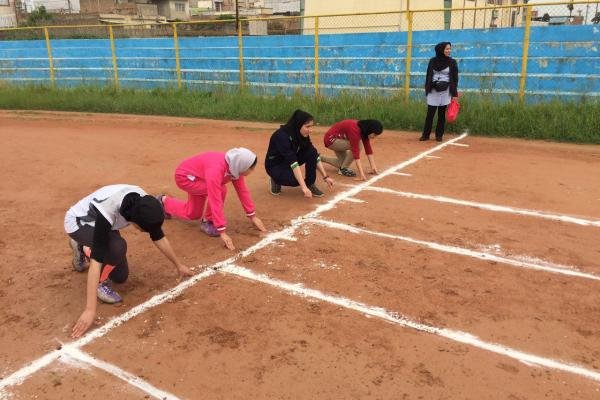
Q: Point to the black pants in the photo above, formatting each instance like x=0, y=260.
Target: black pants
x=441, y=121
x=117, y=251
x=283, y=175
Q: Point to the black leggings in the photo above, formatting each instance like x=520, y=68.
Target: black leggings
x=441, y=121
x=117, y=251
x=283, y=175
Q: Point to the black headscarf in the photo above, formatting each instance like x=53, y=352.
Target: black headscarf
x=368, y=126
x=144, y=211
x=440, y=61
x=296, y=121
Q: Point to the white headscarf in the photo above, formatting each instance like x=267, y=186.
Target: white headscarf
x=239, y=160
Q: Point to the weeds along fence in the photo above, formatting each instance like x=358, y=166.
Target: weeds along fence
x=535, y=51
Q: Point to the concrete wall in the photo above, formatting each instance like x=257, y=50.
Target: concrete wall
x=564, y=61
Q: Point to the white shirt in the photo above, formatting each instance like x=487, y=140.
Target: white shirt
x=435, y=98
x=107, y=201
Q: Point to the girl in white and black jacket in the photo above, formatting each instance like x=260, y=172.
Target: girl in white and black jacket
x=441, y=85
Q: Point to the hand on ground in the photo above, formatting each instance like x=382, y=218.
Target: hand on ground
x=83, y=323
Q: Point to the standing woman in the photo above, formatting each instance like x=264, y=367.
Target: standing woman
x=345, y=139
x=441, y=84
x=289, y=148
x=204, y=177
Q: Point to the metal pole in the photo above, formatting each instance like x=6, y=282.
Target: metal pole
x=50, y=62
x=316, y=57
x=237, y=14
x=408, y=56
x=525, y=53
x=177, y=62
x=462, y=24
x=241, y=55
x=114, y=55
x=16, y=11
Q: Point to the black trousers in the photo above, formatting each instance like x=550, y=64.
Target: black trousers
x=283, y=175
x=441, y=121
x=117, y=251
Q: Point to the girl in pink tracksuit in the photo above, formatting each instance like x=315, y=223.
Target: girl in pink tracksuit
x=204, y=177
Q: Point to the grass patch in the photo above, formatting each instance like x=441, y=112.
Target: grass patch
x=575, y=122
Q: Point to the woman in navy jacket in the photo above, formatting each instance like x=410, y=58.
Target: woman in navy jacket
x=289, y=148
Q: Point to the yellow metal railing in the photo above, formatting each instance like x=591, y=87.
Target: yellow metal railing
x=113, y=55
x=525, y=55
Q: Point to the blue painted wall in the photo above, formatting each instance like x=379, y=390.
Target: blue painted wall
x=564, y=61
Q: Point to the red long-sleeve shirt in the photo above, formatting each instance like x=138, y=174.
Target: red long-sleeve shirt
x=348, y=129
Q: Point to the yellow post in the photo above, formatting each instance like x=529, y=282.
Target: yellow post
x=50, y=62
x=114, y=55
x=525, y=52
x=241, y=55
x=317, y=57
x=408, y=55
x=177, y=63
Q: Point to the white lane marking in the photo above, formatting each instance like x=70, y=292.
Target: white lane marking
x=354, y=200
x=460, y=144
x=490, y=207
x=131, y=379
x=396, y=318
x=548, y=267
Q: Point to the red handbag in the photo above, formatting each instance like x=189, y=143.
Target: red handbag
x=452, y=111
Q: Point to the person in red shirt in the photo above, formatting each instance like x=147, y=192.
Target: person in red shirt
x=345, y=139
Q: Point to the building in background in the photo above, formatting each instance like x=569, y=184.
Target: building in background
x=52, y=6
x=173, y=10
x=8, y=18
x=432, y=20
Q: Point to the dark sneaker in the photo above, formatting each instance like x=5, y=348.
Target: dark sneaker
x=80, y=262
x=160, y=197
x=107, y=294
x=275, y=188
x=209, y=228
x=346, y=172
x=423, y=138
x=438, y=138
x=315, y=191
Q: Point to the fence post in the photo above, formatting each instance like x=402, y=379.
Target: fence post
x=114, y=55
x=177, y=62
x=316, y=57
x=525, y=52
x=241, y=55
x=50, y=61
x=409, y=16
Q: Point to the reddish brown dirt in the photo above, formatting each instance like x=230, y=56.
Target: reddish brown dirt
x=227, y=338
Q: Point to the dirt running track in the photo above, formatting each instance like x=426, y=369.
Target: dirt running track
x=234, y=338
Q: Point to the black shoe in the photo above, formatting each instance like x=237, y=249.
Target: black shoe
x=346, y=172
x=438, y=138
x=315, y=191
x=423, y=138
x=275, y=188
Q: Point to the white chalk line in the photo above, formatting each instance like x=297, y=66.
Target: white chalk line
x=460, y=144
x=401, y=174
x=433, y=157
x=547, y=267
x=490, y=207
x=119, y=373
x=354, y=200
x=396, y=318
x=19, y=376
